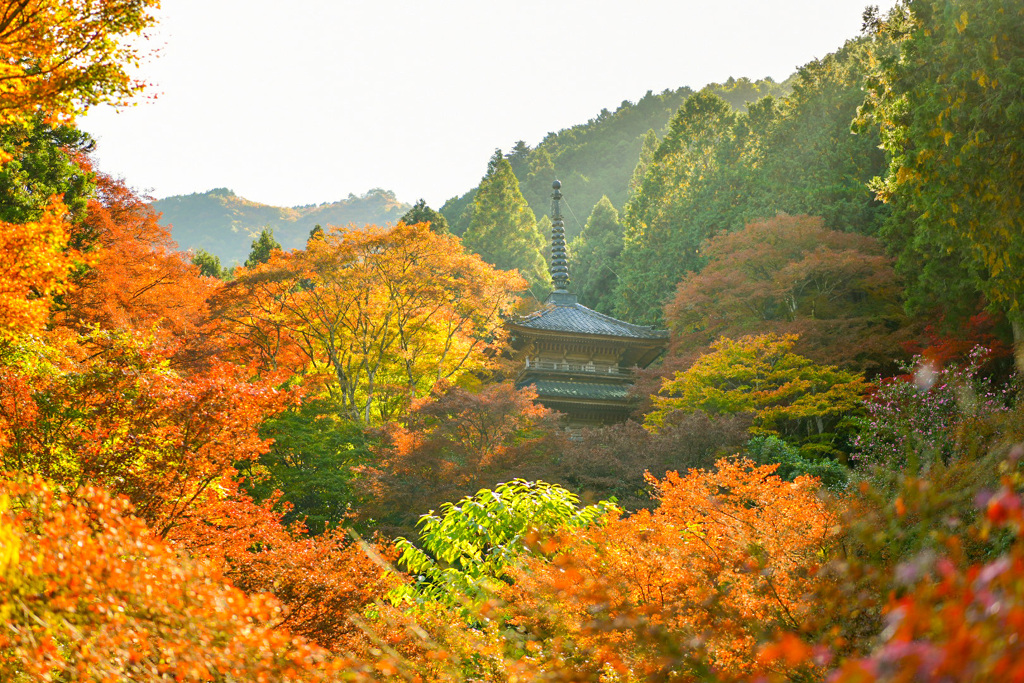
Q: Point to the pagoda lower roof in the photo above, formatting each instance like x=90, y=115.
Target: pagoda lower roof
x=564, y=314
x=595, y=391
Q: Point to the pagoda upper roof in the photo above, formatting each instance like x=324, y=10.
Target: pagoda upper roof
x=562, y=313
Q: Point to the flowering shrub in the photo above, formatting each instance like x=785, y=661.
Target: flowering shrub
x=931, y=415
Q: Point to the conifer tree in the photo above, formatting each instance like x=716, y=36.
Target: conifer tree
x=421, y=213
x=649, y=144
x=209, y=264
x=593, y=254
x=503, y=229
x=262, y=247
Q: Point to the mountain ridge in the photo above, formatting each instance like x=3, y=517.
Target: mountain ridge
x=224, y=223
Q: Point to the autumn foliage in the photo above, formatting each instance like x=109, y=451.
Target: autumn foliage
x=137, y=280
x=378, y=317
x=454, y=443
x=142, y=538
x=698, y=583
x=34, y=268
x=89, y=593
x=792, y=275
x=59, y=57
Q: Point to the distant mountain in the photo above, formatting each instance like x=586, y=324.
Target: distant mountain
x=225, y=224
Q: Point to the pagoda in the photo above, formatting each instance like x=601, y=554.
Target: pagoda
x=580, y=362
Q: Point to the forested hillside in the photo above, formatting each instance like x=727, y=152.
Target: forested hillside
x=717, y=169
x=599, y=157
x=224, y=224
x=320, y=466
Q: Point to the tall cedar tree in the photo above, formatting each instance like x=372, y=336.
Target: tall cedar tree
x=46, y=160
x=421, y=213
x=262, y=247
x=949, y=108
x=659, y=247
x=503, y=229
x=593, y=255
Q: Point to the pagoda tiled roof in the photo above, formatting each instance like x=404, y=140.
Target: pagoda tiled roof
x=577, y=318
x=601, y=391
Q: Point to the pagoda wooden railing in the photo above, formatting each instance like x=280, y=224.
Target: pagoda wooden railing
x=589, y=368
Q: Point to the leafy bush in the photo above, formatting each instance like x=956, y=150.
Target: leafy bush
x=767, y=450
x=467, y=549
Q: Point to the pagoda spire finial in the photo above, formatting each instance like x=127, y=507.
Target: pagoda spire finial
x=559, y=258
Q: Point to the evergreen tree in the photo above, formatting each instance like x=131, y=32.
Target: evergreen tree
x=421, y=213
x=262, y=247
x=663, y=229
x=950, y=108
x=518, y=156
x=647, y=147
x=503, y=229
x=317, y=233
x=593, y=255
x=458, y=212
x=209, y=264
x=717, y=170
x=43, y=164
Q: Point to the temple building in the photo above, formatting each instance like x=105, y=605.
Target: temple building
x=580, y=361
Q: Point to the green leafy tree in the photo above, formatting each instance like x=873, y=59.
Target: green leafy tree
x=717, y=170
x=262, y=247
x=209, y=264
x=785, y=393
x=421, y=213
x=465, y=551
x=771, y=450
x=46, y=160
x=593, y=255
x=312, y=463
x=951, y=116
x=503, y=229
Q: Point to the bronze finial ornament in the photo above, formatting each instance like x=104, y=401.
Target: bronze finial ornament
x=559, y=258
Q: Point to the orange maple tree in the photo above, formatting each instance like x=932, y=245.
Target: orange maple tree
x=138, y=280
x=87, y=592
x=59, y=57
x=696, y=585
x=378, y=316
x=34, y=267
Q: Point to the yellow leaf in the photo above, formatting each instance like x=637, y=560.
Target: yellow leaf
x=962, y=23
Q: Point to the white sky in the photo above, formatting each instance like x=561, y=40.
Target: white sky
x=305, y=101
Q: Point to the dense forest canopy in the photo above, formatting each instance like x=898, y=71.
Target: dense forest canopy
x=312, y=462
